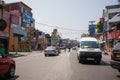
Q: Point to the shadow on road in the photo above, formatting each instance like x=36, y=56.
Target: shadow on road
x=15, y=78
x=103, y=63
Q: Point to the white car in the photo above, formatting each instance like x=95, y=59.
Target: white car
x=89, y=50
x=51, y=50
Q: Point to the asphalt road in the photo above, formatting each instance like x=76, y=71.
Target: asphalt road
x=63, y=67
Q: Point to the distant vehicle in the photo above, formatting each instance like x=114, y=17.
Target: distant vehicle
x=74, y=47
x=62, y=47
x=7, y=66
x=89, y=50
x=115, y=57
x=51, y=50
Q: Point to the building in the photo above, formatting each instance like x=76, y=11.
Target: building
x=40, y=40
x=111, y=16
x=4, y=36
x=48, y=39
x=20, y=19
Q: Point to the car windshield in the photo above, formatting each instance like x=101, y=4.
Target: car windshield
x=89, y=44
x=50, y=48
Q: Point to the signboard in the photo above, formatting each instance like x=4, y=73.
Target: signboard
x=117, y=34
x=55, y=39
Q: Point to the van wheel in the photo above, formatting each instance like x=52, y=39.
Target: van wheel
x=11, y=72
x=80, y=61
x=46, y=55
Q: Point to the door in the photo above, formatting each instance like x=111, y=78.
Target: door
x=3, y=64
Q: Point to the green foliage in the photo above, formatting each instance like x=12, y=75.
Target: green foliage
x=84, y=35
x=99, y=27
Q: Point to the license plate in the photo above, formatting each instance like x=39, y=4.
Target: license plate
x=90, y=58
x=118, y=55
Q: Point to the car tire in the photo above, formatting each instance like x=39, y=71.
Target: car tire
x=45, y=55
x=11, y=72
x=80, y=61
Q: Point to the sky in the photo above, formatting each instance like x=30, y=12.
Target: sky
x=70, y=17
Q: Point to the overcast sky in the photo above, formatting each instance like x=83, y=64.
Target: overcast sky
x=71, y=17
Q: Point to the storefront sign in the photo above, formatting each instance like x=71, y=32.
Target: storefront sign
x=111, y=35
x=117, y=34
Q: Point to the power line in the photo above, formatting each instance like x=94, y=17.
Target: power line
x=44, y=24
x=71, y=33
x=59, y=27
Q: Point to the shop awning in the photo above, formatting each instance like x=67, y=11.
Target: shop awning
x=116, y=18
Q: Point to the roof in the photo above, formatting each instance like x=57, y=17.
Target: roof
x=88, y=39
x=20, y=3
x=113, y=6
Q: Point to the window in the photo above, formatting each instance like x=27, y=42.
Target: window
x=111, y=15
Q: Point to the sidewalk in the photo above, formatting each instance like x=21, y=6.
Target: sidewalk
x=20, y=54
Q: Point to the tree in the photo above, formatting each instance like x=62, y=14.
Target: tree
x=99, y=27
x=84, y=35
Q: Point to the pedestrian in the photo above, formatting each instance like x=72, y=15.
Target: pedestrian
x=69, y=49
x=65, y=48
x=104, y=49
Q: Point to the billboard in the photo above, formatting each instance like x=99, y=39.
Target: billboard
x=92, y=30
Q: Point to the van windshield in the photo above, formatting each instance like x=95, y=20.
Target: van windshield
x=89, y=44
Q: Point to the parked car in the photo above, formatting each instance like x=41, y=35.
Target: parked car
x=89, y=50
x=62, y=47
x=51, y=50
x=115, y=56
x=74, y=48
x=7, y=66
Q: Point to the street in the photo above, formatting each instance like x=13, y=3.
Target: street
x=63, y=67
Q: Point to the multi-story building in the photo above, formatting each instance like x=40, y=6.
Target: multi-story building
x=111, y=16
x=19, y=18
x=40, y=40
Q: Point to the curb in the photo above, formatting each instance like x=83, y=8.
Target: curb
x=21, y=54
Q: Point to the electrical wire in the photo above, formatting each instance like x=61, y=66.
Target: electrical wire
x=60, y=27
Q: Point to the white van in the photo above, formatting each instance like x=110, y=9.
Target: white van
x=89, y=50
